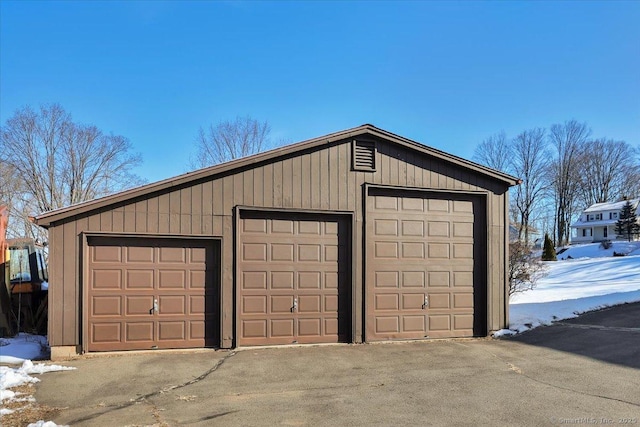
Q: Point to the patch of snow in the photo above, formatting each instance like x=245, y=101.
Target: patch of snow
x=42, y=423
x=594, y=250
x=23, y=347
x=503, y=333
x=12, y=377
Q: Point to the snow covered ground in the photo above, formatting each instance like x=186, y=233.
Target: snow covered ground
x=22, y=350
x=586, y=277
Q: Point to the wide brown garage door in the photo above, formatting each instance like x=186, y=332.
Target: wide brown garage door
x=423, y=266
x=292, y=279
x=146, y=293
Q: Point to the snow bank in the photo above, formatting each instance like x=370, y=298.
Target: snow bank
x=594, y=250
x=23, y=347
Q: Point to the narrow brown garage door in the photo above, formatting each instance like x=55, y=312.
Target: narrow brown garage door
x=292, y=285
x=146, y=293
x=420, y=266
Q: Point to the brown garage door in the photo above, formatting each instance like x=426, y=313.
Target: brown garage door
x=148, y=293
x=292, y=285
x=422, y=280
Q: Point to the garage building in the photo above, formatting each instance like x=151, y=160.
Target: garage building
x=357, y=236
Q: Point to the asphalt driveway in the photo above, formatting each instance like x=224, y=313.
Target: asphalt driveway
x=582, y=371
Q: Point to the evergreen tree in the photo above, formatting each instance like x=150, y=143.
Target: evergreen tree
x=627, y=224
x=548, y=252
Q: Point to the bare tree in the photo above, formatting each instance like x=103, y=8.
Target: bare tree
x=530, y=157
x=607, y=165
x=564, y=173
x=494, y=152
x=230, y=139
x=59, y=162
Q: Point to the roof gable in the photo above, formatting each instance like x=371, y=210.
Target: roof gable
x=610, y=206
x=45, y=219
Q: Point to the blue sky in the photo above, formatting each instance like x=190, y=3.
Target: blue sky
x=447, y=74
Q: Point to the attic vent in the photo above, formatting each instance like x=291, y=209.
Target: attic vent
x=364, y=155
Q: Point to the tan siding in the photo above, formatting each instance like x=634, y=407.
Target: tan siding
x=306, y=180
x=267, y=184
x=287, y=183
x=248, y=187
x=343, y=176
x=94, y=222
x=324, y=173
x=56, y=291
x=334, y=193
x=238, y=188
x=218, y=197
x=70, y=291
x=196, y=209
x=296, y=182
x=258, y=186
x=118, y=220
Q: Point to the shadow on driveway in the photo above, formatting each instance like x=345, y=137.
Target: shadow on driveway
x=611, y=335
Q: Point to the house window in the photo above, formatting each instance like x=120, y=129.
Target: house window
x=586, y=232
x=606, y=231
x=598, y=217
x=590, y=218
x=615, y=215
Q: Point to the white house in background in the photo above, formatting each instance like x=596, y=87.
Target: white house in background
x=598, y=222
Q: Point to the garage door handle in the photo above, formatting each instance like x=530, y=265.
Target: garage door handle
x=426, y=302
x=295, y=305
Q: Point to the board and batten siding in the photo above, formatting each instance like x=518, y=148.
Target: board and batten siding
x=317, y=179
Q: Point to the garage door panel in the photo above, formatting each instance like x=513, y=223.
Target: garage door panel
x=439, y=301
x=139, y=254
x=139, y=305
x=462, y=278
x=309, y=280
x=281, y=303
x=387, y=302
x=387, y=324
x=172, y=305
x=440, y=279
x=106, y=332
x=254, y=252
x=108, y=254
x=298, y=273
x=139, y=279
x=438, y=250
x=420, y=246
x=179, y=275
x=198, y=279
x=139, y=331
x=172, y=330
x=254, y=328
x=414, y=324
x=254, y=304
x=107, y=306
x=172, y=279
x=172, y=255
x=413, y=279
x=281, y=280
x=106, y=279
x=198, y=256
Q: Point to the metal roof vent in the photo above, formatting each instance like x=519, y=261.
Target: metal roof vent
x=364, y=155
